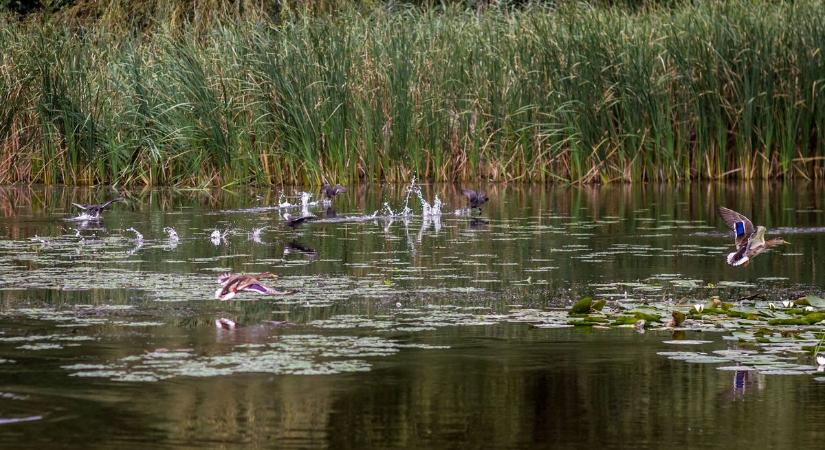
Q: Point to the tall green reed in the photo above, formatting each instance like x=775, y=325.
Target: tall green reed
x=574, y=93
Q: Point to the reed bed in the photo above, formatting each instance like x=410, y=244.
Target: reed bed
x=577, y=94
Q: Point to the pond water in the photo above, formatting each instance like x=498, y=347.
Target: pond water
x=416, y=331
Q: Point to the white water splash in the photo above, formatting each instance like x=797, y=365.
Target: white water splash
x=138, y=236
x=83, y=217
x=306, y=203
x=255, y=235
x=217, y=237
x=138, y=241
x=173, y=235
x=283, y=202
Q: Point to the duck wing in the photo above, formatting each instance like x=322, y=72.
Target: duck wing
x=103, y=206
x=224, y=278
x=299, y=220
x=255, y=286
x=742, y=226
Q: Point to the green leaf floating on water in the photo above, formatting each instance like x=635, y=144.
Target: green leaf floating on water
x=587, y=305
x=582, y=306
x=808, y=319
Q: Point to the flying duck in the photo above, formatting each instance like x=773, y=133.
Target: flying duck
x=93, y=211
x=234, y=283
x=749, y=241
x=329, y=192
x=476, y=198
x=293, y=222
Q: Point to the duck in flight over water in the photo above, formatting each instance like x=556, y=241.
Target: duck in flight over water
x=749, y=240
x=476, y=198
x=293, y=222
x=329, y=192
x=232, y=284
x=93, y=211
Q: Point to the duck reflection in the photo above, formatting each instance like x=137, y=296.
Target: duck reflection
x=477, y=223
x=296, y=248
x=743, y=381
x=230, y=330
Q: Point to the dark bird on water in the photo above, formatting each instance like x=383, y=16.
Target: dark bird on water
x=329, y=191
x=476, y=198
x=94, y=211
x=749, y=240
x=293, y=222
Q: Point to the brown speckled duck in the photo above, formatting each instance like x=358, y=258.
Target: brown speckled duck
x=234, y=283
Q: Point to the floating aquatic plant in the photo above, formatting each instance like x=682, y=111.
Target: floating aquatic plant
x=289, y=354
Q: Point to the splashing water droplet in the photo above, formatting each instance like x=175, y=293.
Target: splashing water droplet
x=173, y=235
x=138, y=236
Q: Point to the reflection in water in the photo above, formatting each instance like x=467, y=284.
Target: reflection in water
x=477, y=223
x=295, y=247
x=225, y=324
x=410, y=318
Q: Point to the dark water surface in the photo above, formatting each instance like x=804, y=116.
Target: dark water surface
x=436, y=332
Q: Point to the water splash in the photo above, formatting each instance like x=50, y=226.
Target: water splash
x=83, y=217
x=217, y=237
x=138, y=241
x=255, y=235
x=173, y=235
x=138, y=236
x=427, y=209
x=283, y=202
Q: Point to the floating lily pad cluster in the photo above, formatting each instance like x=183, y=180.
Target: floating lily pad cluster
x=289, y=354
x=768, y=338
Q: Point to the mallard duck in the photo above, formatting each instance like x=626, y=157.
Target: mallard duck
x=234, y=283
x=749, y=241
x=329, y=192
x=293, y=222
x=94, y=211
x=476, y=198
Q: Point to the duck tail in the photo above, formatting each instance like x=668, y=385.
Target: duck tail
x=734, y=259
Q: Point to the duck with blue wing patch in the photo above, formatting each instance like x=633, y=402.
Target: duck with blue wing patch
x=234, y=283
x=749, y=240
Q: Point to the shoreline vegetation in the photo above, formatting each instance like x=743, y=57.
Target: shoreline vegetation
x=216, y=93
